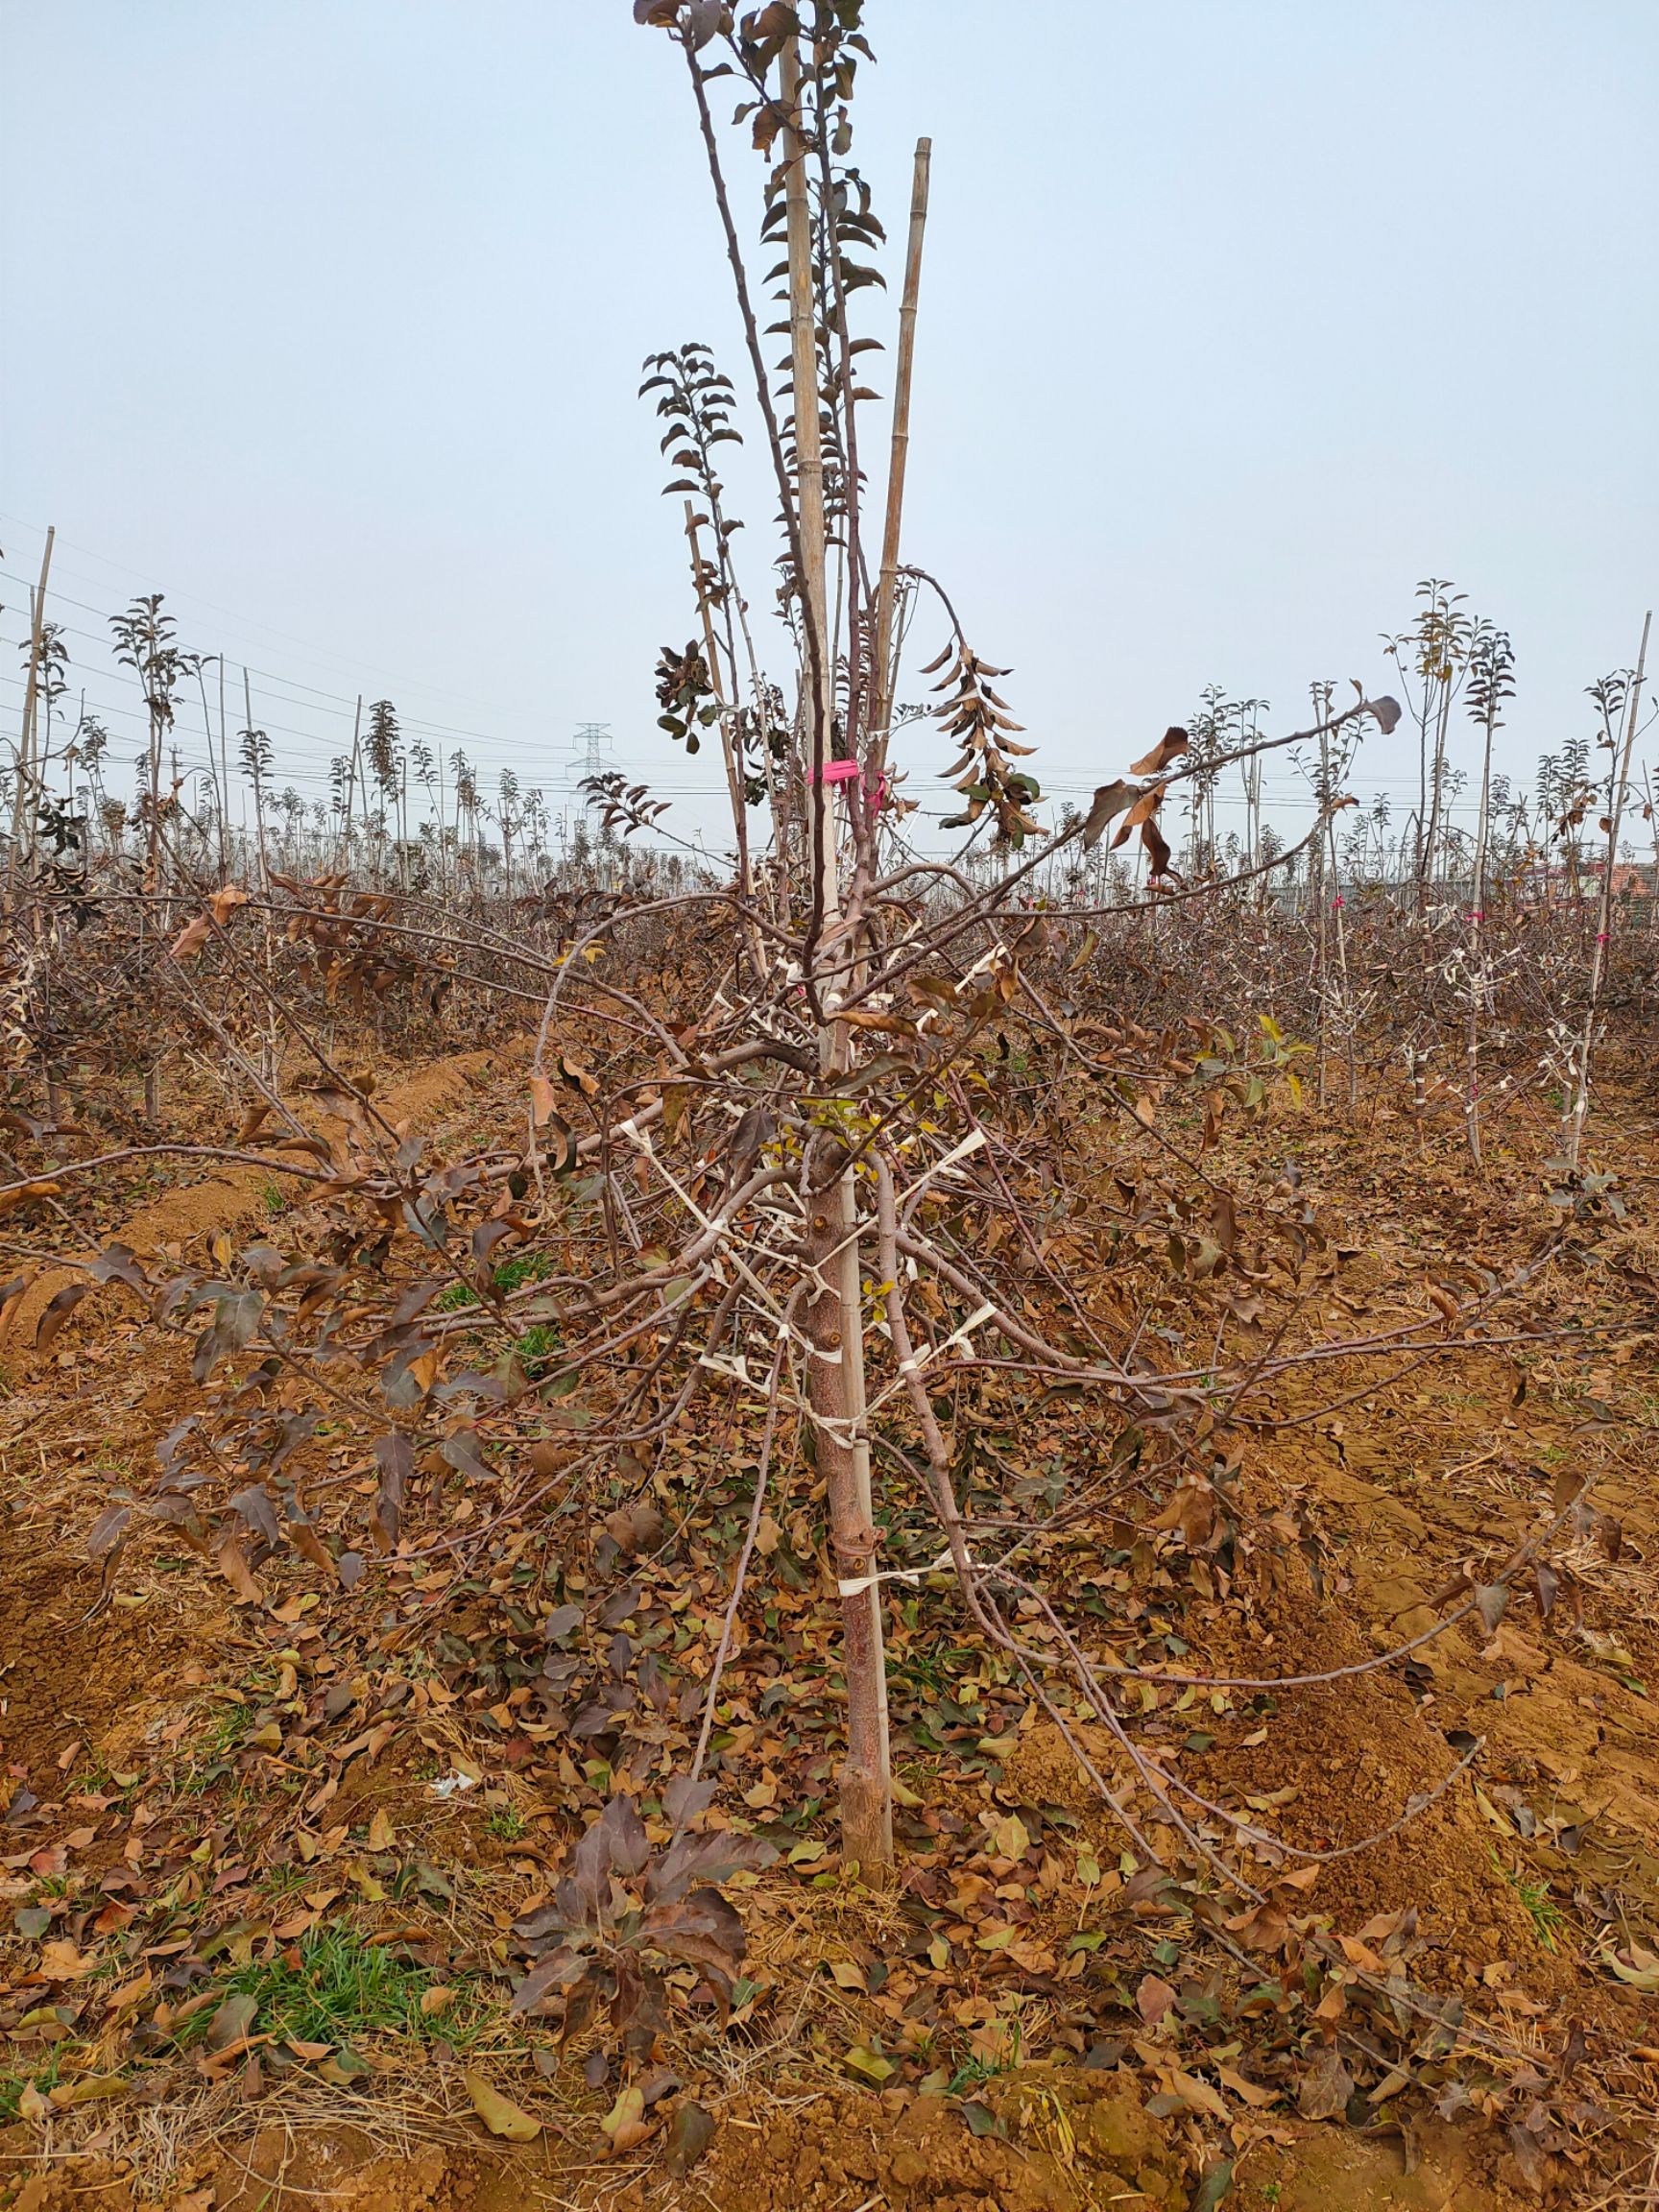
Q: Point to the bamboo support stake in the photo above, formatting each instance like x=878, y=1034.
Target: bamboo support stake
x=351, y=783
x=1572, y=1130
x=23, y=809
x=258, y=776
x=224, y=776
x=269, y=1050
x=1349, y=1019
x=881, y=667
x=1477, y=952
x=1316, y=873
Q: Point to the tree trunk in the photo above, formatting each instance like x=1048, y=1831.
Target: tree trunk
x=836, y=1390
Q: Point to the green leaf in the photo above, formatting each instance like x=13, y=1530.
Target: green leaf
x=232, y=2022
x=87, y=2088
x=1011, y=1838
x=690, y=2134
x=498, y=2113
x=1215, y=2184
x=868, y=2063
x=342, y=2067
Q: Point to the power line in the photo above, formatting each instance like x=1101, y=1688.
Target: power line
x=252, y=622
x=341, y=698
x=593, y=750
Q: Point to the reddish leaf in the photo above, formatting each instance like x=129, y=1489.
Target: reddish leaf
x=57, y=1312
x=1153, y=1998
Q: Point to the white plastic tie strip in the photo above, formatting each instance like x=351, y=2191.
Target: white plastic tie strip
x=958, y=1152
x=934, y=1353
x=944, y=1564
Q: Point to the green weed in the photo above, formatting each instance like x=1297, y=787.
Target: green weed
x=43, y=2078
x=938, y=1669
x=1548, y=1919
x=343, y=1989
x=280, y=1883
x=524, y=1267
x=536, y=1348
x=973, y=2073
x=211, y=1752
x=510, y=1275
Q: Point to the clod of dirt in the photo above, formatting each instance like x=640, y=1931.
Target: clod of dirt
x=1058, y=2141
x=1328, y=2170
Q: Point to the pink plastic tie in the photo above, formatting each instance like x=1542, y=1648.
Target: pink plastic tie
x=850, y=772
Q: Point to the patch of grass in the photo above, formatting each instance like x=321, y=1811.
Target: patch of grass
x=508, y=1824
x=1548, y=1919
x=238, y=1711
x=43, y=2078
x=343, y=1989
x=211, y=1752
x=537, y=1349
x=510, y=1275
x=524, y=1267
x=274, y=1199
x=937, y=1669
x=973, y=2073
x=280, y=1883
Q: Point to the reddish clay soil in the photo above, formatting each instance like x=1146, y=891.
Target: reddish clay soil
x=1530, y=1877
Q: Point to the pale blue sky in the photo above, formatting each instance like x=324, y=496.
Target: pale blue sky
x=326, y=320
